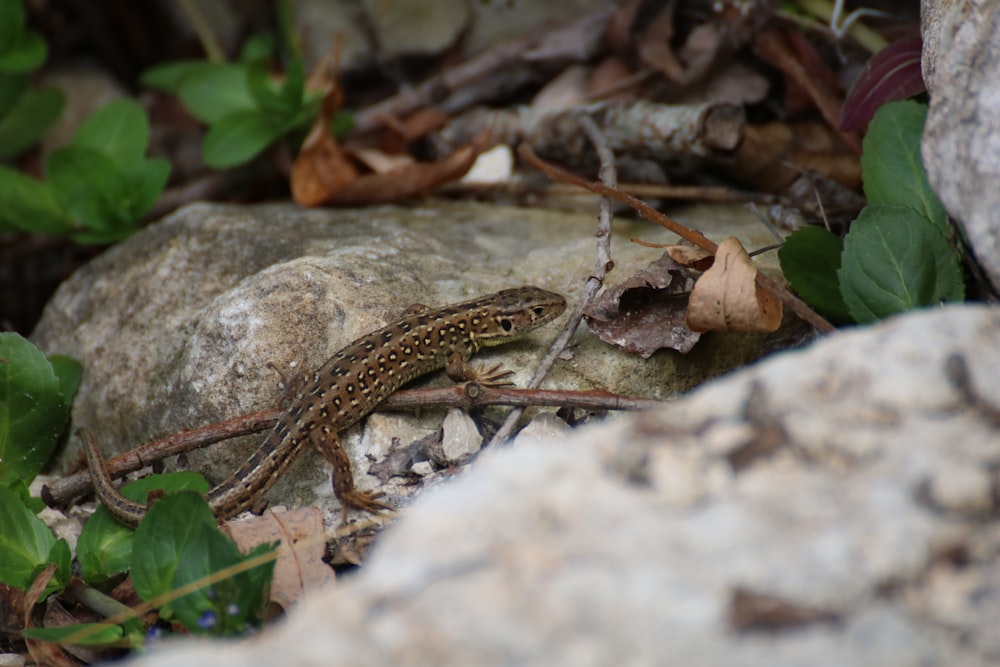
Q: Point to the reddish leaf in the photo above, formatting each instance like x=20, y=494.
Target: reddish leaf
x=892, y=74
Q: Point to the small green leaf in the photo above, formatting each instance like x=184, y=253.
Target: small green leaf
x=119, y=129
x=238, y=138
x=25, y=124
x=25, y=542
x=178, y=544
x=89, y=185
x=894, y=260
x=891, y=166
x=258, y=47
x=216, y=91
x=30, y=206
x=61, y=556
x=93, y=635
x=809, y=259
x=104, y=548
x=341, y=123
x=20, y=50
x=144, y=181
x=33, y=411
x=170, y=76
x=267, y=95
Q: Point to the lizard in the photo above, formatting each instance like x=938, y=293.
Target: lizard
x=349, y=386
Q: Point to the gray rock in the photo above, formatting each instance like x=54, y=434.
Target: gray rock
x=175, y=327
x=961, y=145
x=642, y=542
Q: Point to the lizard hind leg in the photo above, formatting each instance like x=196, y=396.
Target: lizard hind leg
x=327, y=443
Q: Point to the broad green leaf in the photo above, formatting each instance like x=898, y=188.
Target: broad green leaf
x=177, y=544
x=94, y=635
x=119, y=129
x=104, y=548
x=176, y=524
x=33, y=411
x=891, y=166
x=894, y=260
x=69, y=371
x=25, y=124
x=809, y=259
x=30, y=206
x=25, y=542
x=238, y=138
x=90, y=186
x=214, y=92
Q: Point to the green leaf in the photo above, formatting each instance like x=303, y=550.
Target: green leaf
x=119, y=129
x=891, y=166
x=238, y=138
x=144, y=181
x=178, y=544
x=94, y=635
x=20, y=50
x=104, y=548
x=30, y=206
x=69, y=371
x=809, y=259
x=265, y=92
x=27, y=121
x=33, y=411
x=89, y=185
x=295, y=84
x=216, y=91
x=258, y=47
x=26, y=544
x=12, y=86
x=341, y=123
x=170, y=76
x=894, y=260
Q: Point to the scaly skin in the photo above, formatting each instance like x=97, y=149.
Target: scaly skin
x=352, y=384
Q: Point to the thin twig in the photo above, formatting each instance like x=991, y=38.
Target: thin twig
x=794, y=303
x=465, y=395
x=603, y=264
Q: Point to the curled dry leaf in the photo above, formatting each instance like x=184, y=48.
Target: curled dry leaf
x=646, y=312
x=727, y=297
x=409, y=181
x=299, y=567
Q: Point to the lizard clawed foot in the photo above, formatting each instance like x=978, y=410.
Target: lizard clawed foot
x=494, y=376
x=361, y=500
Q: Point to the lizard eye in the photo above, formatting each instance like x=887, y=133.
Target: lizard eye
x=538, y=311
x=506, y=325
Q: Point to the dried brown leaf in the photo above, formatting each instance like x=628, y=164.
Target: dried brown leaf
x=727, y=297
x=690, y=256
x=379, y=161
x=414, y=180
x=654, y=46
x=646, y=312
x=299, y=567
x=42, y=652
